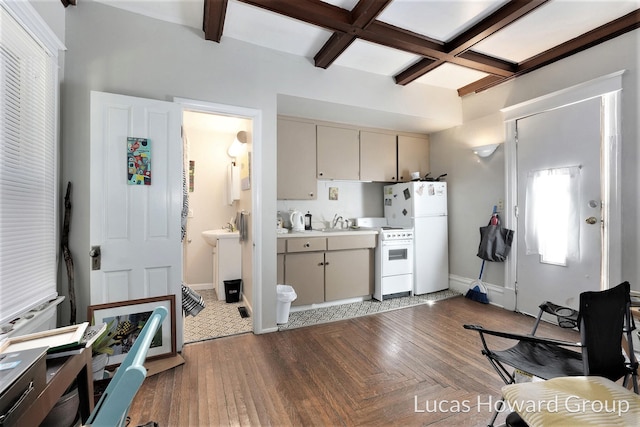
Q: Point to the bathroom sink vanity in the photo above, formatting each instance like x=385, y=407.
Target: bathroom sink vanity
x=227, y=257
x=324, y=268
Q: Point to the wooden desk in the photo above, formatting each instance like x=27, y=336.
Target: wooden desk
x=573, y=401
x=60, y=374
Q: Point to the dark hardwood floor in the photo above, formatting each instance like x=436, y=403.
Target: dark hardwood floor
x=384, y=369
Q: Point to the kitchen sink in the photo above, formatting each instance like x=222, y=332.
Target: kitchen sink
x=341, y=230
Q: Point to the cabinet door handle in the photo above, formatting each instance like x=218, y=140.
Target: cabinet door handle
x=326, y=263
x=320, y=173
x=321, y=264
x=307, y=245
x=311, y=194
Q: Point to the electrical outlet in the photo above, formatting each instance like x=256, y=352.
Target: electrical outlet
x=500, y=205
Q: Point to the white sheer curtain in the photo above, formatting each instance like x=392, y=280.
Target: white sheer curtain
x=552, y=223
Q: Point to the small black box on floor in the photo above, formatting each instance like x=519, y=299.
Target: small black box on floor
x=232, y=290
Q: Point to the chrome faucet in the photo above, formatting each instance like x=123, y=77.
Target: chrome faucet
x=336, y=218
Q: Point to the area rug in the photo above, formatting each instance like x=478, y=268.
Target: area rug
x=217, y=319
x=315, y=316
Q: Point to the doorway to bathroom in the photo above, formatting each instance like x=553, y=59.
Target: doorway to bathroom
x=217, y=159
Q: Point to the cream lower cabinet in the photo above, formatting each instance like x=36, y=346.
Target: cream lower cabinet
x=305, y=272
x=280, y=260
x=347, y=274
x=329, y=276
x=329, y=269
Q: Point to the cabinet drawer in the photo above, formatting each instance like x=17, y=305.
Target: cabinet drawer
x=26, y=386
x=282, y=246
x=307, y=245
x=351, y=242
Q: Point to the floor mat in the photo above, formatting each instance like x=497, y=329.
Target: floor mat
x=347, y=311
x=221, y=319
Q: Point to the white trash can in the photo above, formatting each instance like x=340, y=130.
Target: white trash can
x=285, y=296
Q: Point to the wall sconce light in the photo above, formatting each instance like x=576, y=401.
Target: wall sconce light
x=485, y=150
x=237, y=145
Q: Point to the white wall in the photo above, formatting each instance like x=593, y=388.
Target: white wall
x=53, y=14
x=474, y=187
x=112, y=50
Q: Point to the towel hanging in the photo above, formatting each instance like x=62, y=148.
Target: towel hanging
x=233, y=182
x=242, y=223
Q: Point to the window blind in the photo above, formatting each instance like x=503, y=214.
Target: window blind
x=28, y=154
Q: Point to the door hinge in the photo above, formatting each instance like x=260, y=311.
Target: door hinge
x=515, y=211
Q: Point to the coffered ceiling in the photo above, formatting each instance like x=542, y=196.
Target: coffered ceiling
x=466, y=45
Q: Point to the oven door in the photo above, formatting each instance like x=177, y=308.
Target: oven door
x=396, y=258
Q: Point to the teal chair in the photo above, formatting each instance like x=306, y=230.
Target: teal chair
x=113, y=406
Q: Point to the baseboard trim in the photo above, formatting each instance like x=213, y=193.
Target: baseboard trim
x=247, y=304
x=197, y=286
x=495, y=293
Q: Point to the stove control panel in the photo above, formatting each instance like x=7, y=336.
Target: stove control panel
x=396, y=234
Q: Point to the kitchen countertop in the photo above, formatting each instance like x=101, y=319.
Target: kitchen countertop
x=320, y=233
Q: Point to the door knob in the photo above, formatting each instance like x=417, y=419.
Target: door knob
x=95, y=254
x=591, y=220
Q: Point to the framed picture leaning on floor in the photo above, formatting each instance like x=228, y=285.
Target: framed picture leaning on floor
x=127, y=318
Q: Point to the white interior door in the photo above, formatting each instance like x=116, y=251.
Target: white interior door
x=567, y=137
x=136, y=227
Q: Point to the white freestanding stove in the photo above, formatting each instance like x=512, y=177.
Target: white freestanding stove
x=394, y=263
x=394, y=259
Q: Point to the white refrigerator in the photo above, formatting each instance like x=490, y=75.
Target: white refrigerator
x=422, y=205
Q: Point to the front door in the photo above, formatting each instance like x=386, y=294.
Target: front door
x=135, y=223
x=559, y=205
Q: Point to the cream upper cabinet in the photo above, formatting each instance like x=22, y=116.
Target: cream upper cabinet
x=378, y=157
x=338, y=153
x=413, y=156
x=296, y=160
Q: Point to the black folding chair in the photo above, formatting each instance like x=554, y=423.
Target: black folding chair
x=603, y=319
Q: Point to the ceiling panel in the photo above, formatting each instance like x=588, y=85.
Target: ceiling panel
x=374, y=58
x=551, y=24
x=268, y=29
x=344, y=4
x=439, y=19
x=451, y=76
